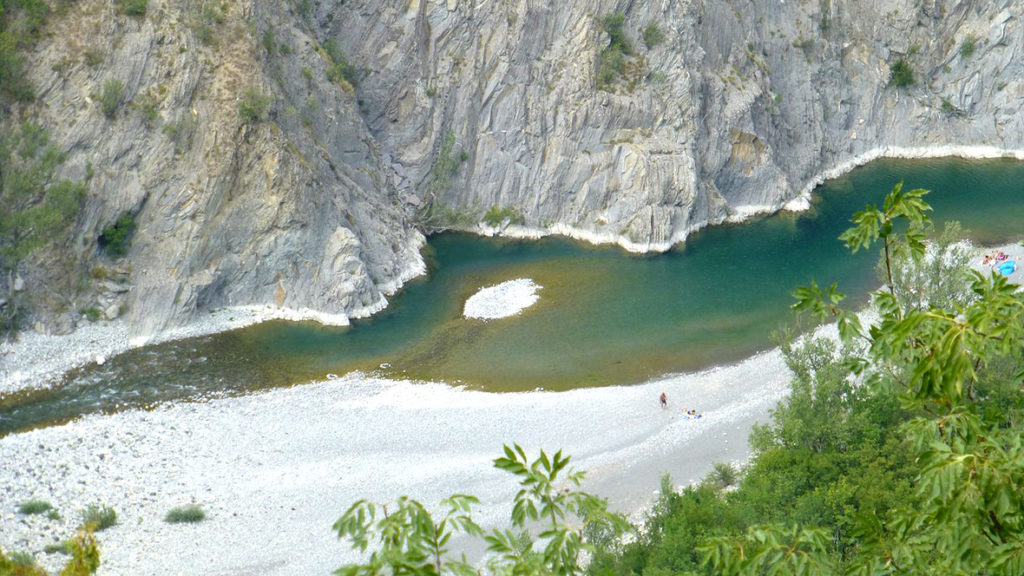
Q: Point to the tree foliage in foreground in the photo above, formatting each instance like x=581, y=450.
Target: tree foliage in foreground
x=898, y=451
x=409, y=539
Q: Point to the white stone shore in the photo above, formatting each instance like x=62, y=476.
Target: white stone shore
x=502, y=300
x=274, y=470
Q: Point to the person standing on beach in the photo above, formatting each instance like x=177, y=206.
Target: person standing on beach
x=664, y=401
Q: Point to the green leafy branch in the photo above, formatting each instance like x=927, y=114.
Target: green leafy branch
x=970, y=517
x=872, y=224
x=771, y=551
x=409, y=540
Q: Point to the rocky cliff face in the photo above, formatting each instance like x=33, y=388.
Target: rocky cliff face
x=738, y=109
x=293, y=212
x=449, y=109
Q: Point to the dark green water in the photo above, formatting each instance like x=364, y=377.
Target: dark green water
x=604, y=316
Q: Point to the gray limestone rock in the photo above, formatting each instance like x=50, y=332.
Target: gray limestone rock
x=390, y=117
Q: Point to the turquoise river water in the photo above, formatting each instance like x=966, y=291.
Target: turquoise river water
x=604, y=316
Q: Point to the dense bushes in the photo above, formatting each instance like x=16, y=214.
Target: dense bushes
x=20, y=23
x=133, y=7
x=901, y=74
x=35, y=210
x=613, y=57
x=899, y=446
x=110, y=96
x=253, y=106
x=117, y=238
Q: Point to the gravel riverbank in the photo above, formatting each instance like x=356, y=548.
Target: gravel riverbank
x=274, y=470
x=35, y=360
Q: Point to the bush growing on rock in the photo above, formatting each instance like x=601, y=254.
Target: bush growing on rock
x=179, y=514
x=20, y=23
x=99, y=517
x=34, y=506
x=901, y=74
x=612, y=24
x=110, y=97
x=203, y=18
x=446, y=164
x=253, y=106
x=969, y=45
x=91, y=313
x=133, y=7
x=339, y=68
x=653, y=35
x=38, y=210
x=495, y=216
x=117, y=238
x=612, y=65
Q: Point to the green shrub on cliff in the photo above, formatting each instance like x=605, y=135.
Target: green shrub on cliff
x=612, y=64
x=968, y=46
x=653, y=35
x=339, y=68
x=133, y=7
x=612, y=24
x=253, y=106
x=20, y=25
x=35, y=210
x=495, y=216
x=447, y=163
x=110, y=96
x=117, y=238
x=901, y=74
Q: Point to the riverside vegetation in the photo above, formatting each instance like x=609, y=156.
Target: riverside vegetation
x=898, y=451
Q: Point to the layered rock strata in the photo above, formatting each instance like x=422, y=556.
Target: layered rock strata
x=386, y=118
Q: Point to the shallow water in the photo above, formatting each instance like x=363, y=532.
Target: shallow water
x=604, y=316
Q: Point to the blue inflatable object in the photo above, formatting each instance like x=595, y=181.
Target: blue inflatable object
x=1007, y=268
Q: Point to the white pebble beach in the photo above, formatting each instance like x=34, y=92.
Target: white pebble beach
x=502, y=300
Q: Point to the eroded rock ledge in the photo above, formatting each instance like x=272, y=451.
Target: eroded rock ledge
x=391, y=117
